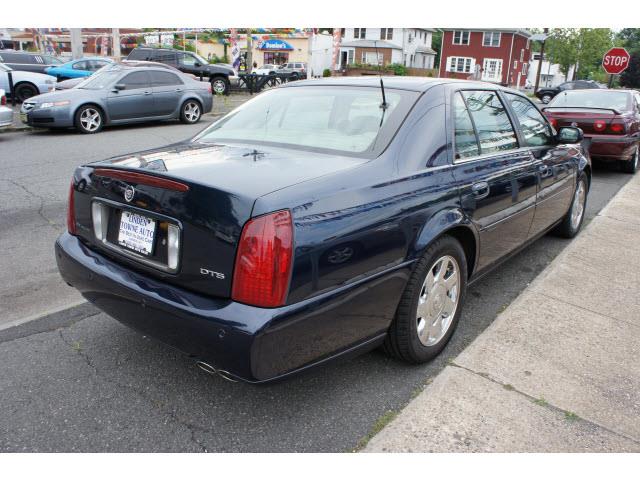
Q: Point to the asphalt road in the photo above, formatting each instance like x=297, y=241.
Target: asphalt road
x=79, y=381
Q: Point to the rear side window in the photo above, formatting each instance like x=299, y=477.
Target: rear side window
x=494, y=129
x=167, y=57
x=135, y=80
x=163, y=79
x=137, y=55
x=466, y=142
x=81, y=66
x=535, y=128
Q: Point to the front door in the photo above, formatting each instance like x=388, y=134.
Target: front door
x=492, y=70
x=556, y=167
x=135, y=100
x=497, y=177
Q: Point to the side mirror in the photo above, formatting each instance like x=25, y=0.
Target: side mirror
x=197, y=64
x=119, y=86
x=569, y=135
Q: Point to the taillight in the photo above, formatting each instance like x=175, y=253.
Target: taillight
x=617, y=128
x=3, y=100
x=553, y=122
x=209, y=88
x=71, y=210
x=263, y=262
x=599, y=125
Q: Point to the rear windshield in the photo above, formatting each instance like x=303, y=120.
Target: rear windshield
x=345, y=119
x=595, y=99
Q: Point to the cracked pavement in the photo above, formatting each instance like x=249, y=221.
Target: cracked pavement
x=77, y=380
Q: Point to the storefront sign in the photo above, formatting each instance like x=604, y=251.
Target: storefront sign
x=274, y=44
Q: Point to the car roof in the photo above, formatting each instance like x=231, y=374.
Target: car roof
x=417, y=84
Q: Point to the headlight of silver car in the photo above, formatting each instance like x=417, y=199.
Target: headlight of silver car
x=53, y=104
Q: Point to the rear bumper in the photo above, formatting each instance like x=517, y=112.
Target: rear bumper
x=6, y=117
x=252, y=344
x=612, y=147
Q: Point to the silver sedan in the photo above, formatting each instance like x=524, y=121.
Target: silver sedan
x=6, y=114
x=120, y=94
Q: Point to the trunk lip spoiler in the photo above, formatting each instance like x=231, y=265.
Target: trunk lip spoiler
x=142, y=178
x=616, y=112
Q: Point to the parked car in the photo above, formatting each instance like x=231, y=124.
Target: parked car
x=220, y=76
x=27, y=61
x=296, y=69
x=25, y=84
x=610, y=120
x=73, y=82
x=6, y=114
x=233, y=246
x=266, y=69
x=119, y=94
x=546, y=94
x=80, y=68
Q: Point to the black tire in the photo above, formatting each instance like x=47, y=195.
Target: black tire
x=546, y=98
x=24, y=91
x=295, y=76
x=191, y=111
x=569, y=228
x=85, y=112
x=220, y=85
x=631, y=165
x=402, y=339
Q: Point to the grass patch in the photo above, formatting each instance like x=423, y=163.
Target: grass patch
x=570, y=416
x=541, y=401
x=386, y=418
x=508, y=386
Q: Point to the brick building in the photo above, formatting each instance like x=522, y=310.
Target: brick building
x=497, y=56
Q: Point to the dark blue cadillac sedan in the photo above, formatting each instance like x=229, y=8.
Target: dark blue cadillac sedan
x=322, y=219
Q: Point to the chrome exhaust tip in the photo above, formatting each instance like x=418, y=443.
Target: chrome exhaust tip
x=211, y=370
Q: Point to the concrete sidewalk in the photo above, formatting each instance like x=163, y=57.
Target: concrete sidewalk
x=558, y=370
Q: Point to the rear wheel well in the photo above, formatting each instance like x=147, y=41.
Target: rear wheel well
x=467, y=239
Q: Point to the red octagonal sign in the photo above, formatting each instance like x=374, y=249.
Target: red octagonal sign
x=615, y=61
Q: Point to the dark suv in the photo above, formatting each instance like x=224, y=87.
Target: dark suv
x=187, y=62
x=546, y=94
x=28, y=62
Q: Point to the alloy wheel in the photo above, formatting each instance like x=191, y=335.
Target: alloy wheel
x=90, y=119
x=219, y=86
x=192, y=112
x=577, y=211
x=438, y=300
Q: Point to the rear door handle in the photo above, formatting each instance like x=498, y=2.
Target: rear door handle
x=480, y=190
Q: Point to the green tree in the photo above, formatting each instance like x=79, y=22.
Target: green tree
x=580, y=47
x=630, y=39
x=436, y=44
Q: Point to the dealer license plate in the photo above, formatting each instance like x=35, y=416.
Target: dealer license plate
x=137, y=232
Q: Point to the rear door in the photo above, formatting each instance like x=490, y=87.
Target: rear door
x=556, y=168
x=497, y=178
x=167, y=91
x=135, y=101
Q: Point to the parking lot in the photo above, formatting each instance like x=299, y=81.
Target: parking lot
x=77, y=380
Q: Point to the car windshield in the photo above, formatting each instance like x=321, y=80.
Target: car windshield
x=596, y=99
x=101, y=79
x=327, y=118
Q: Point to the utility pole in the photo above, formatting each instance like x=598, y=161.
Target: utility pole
x=249, y=57
x=76, y=43
x=544, y=40
x=115, y=32
x=312, y=35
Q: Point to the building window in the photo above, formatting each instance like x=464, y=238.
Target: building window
x=492, y=70
x=460, y=64
x=369, y=58
x=460, y=37
x=342, y=32
x=491, y=39
x=276, y=58
x=525, y=69
x=360, y=33
x=522, y=55
x=386, y=34
x=515, y=64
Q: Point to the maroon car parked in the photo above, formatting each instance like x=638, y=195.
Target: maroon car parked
x=610, y=120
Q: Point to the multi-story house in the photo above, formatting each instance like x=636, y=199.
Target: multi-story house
x=498, y=56
x=410, y=47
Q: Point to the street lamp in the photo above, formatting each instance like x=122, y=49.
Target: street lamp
x=540, y=37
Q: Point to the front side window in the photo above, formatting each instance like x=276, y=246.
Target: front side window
x=135, y=80
x=461, y=37
x=491, y=39
x=348, y=120
x=80, y=66
x=495, y=132
x=188, y=60
x=466, y=142
x=535, y=128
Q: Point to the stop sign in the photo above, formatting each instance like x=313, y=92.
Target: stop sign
x=615, y=61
